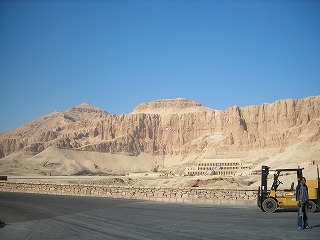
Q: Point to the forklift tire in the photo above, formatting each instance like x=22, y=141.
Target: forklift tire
x=311, y=207
x=269, y=205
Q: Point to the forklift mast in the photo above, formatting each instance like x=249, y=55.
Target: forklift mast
x=263, y=191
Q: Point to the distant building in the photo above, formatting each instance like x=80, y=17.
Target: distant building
x=221, y=167
x=309, y=162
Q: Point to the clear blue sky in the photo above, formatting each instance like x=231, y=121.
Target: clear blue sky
x=116, y=54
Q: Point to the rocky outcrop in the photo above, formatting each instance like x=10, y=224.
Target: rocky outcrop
x=170, y=127
x=178, y=105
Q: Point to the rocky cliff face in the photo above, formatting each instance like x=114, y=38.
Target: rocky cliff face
x=170, y=127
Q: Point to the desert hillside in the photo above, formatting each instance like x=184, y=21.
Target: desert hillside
x=163, y=135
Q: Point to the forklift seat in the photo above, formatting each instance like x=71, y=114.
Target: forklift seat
x=292, y=186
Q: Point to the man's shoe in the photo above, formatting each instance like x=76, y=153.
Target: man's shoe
x=300, y=228
x=307, y=227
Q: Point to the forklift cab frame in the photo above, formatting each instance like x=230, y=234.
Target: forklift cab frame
x=277, y=182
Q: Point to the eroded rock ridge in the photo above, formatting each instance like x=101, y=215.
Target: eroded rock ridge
x=170, y=127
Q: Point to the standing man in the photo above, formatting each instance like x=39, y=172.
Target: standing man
x=302, y=197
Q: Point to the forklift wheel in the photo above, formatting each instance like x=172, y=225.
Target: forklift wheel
x=311, y=207
x=269, y=205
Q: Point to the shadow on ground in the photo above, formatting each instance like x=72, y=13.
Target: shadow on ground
x=294, y=210
x=2, y=224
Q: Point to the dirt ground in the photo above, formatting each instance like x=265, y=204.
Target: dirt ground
x=147, y=181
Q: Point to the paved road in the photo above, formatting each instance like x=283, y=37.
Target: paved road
x=29, y=216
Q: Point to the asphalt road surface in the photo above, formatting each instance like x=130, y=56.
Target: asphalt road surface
x=33, y=216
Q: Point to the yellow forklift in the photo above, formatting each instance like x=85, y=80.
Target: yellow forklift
x=270, y=200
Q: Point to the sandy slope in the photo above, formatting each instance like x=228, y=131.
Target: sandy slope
x=66, y=162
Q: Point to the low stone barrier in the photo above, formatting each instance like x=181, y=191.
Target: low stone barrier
x=163, y=194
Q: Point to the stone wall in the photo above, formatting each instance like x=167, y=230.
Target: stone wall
x=163, y=194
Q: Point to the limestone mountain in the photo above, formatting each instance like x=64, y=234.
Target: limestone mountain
x=171, y=127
